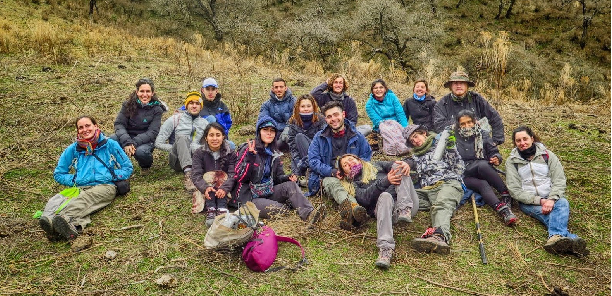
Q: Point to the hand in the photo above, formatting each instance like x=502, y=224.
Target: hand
x=293, y=178
x=129, y=150
x=338, y=175
x=393, y=176
x=494, y=160
x=220, y=193
x=251, y=144
x=208, y=191
x=404, y=167
x=547, y=205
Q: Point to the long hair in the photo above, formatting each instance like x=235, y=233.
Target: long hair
x=132, y=101
x=296, y=118
x=333, y=77
x=368, y=173
x=526, y=129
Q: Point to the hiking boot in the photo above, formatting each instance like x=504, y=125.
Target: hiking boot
x=145, y=171
x=211, y=213
x=506, y=199
x=384, y=258
x=346, y=215
x=433, y=240
x=360, y=214
x=64, y=228
x=405, y=216
x=197, y=202
x=558, y=244
x=579, y=247
x=504, y=211
x=47, y=226
x=188, y=183
x=317, y=215
x=303, y=181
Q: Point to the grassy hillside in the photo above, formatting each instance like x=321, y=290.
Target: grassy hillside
x=56, y=64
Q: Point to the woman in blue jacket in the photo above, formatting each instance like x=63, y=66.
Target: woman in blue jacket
x=84, y=165
x=383, y=107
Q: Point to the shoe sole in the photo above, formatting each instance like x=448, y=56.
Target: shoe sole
x=45, y=224
x=360, y=214
x=427, y=246
x=382, y=264
x=561, y=246
x=512, y=221
x=318, y=216
x=64, y=228
x=346, y=214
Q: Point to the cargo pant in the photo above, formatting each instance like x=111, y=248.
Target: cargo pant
x=442, y=200
x=89, y=200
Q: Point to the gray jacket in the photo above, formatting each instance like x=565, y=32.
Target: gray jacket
x=530, y=181
x=181, y=124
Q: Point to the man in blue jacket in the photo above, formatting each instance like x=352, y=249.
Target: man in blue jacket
x=280, y=108
x=336, y=139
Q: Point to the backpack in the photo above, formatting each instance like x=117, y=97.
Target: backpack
x=260, y=253
x=394, y=143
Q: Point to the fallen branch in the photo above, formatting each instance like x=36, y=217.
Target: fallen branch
x=543, y=282
x=452, y=288
x=128, y=227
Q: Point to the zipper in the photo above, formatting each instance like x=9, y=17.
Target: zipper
x=533, y=179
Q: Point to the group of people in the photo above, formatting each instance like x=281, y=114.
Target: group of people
x=450, y=148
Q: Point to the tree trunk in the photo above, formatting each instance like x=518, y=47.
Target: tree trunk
x=92, y=5
x=509, y=11
x=499, y=11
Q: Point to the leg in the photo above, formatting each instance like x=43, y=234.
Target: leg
x=482, y=187
x=302, y=142
x=364, y=129
x=333, y=188
x=555, y=221
x=144, y=155
x=90, y=199
x=181, y=153
x=484, y=171
x=268, y=207
x=290, y=192
x=406, y=195
x=424, y=202
x=384, y=225
x=444, y=202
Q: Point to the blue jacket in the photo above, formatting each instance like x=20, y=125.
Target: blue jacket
x=389, y=108
x=219, y=110
x=89, y=170
x=320, y=154
x=279, y=110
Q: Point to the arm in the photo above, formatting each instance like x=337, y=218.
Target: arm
x=490, y=149
x=293, y=149
x=164, y=134
x=452, y=157
x=225, y=119
x=407, y=110
x=371, y=111
x=200, y=124
x=557, y=177
x=123, y=167
x=365, y=150
x=319, y=90
x=244, y=162
x=62, y=174
x=315, y=160
x=121, y=123
x=440, y=116
x=495, y=120
x=152, y=131
x=198, y=170
x=228, y=185
x=279, y=174
x=351, y=110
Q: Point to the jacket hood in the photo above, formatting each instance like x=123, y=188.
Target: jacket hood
x=288, y=95
x=263, y=120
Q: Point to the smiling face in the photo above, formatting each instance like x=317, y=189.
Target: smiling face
x=306, y=106
x=420, y=89
x=347, y=162
x=210, y=92
x=523, y=141
x=267, y=135
x=279, y=88
x=86, y=129
x=459, y=88
x=379, y=90
x=466, y=122
x=214, y=139
x=194, y=107
x=144, y=93
x=417, y=138
x=335, y=118
x=338, y=85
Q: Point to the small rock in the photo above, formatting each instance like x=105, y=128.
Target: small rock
x=82, y=242
x=166, y=281
x=121, y=67
x=572, y=126
x=46, y=69
x=110, y=255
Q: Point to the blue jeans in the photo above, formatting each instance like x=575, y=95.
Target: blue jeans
x=555, y=221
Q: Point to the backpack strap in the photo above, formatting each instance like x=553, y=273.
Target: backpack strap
x=293, y=241
x=112, y=172
x=545, y=156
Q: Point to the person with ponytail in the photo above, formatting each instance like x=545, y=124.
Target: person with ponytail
x=84, y=166
x=537, y=181
x=385, y=190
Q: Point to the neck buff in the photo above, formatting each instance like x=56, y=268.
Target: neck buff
x=336, y=97
x=425, y=147
x=420, y=99
x=355, y=169
x=475, y=132
x=459, y=99
x=89, y=145
x=528, y=153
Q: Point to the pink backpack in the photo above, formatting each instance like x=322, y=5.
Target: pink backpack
x=259, y=254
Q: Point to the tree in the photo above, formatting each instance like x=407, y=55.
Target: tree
x=588, y=9
x=501, y=8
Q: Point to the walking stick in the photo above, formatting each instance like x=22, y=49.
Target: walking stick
x=483, y=255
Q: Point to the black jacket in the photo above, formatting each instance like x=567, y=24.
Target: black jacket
x=367, y=194
x=203, y=162
x=421, y=112
x=294, y=129
x=142, y=128
x=446, y=111
x=322, y=96
x=465, y=147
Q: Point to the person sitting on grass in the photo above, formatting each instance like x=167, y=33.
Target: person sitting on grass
x=85, y=165
x=213, y=173
x=385, y=189
x=536, y=180
x=305, y=122
x=441, y=188
x=420, y=106
x=480, y=155
x=187, y=127
x=262, y=180
x=138, y=123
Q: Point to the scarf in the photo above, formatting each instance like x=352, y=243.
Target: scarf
x=339, y=134
x=336, y=97
x=306, y=119
x=418, y=151
x=355, y=169
x=460, y=99
x=475, y=132
x=89, y=145
x=420, y=99
x=368, y=173
x=527, y=153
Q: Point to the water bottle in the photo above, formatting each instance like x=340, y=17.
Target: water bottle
x=441, y=146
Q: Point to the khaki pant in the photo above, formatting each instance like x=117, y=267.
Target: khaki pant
x=333, y=189
x=90, y=200
x=442, y=201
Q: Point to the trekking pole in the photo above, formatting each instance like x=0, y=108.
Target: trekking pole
x=483, y=255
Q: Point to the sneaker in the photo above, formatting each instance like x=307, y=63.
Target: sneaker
x=433, y=240
x=197, y=202
x=506, y=213
x=47, y=226
x=360, y=214
x=579, y=247
x=558, y=244
x=145, y=171
x=405, y=216
x=384, y=258
x=188, y=183
x=211, y=213
x=506, y=198
x=317, y=215
x=303, y=181
x=65, y=229
x=346, y=215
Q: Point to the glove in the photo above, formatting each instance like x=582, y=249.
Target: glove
x=450, y=142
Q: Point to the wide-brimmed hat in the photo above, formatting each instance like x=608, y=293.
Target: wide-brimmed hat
x=459, y=76
x=409, y=130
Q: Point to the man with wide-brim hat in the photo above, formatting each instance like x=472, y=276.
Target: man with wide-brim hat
x=461, y=98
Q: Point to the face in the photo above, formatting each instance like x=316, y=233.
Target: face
x=347, y=162
x=466, y=122
x=379, y=90
x=144, y=93
x=210, y=92
x=420, y=89
x=305, y=106
x=214, y=139
x=338, y=85
x=459, y=88
x=417, y=139
x=194, y=107
x=279, y=88
x=335, y=118
x=523, y=141
x=267, y=135
x=86, y=128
